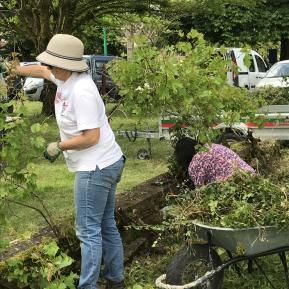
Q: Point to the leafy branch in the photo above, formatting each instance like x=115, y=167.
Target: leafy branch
x=18, y=179
x=47, y=219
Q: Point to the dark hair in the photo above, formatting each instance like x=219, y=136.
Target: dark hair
x=184, y=151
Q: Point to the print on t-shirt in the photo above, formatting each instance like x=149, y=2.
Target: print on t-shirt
x=58, y=97
x=64, y=108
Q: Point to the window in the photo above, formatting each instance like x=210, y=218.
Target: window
x=252, y=65
x=260, y=64
x=279, y=70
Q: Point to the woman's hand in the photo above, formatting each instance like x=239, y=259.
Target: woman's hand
x=52, y=151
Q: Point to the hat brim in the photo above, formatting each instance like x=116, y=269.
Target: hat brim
x=71, y=65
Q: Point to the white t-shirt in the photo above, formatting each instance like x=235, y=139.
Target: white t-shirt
x=78, y=106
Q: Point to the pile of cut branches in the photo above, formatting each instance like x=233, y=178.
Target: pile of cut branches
x=264, y=156
x=245, y=200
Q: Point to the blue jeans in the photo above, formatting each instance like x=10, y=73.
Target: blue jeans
x=96, y=226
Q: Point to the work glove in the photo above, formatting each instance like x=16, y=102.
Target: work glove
x=52, y=151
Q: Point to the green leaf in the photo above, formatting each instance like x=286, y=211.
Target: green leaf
x=38, y=142
x=35, y=128
x=51, y=249
x=63, y=261
x=70, y=280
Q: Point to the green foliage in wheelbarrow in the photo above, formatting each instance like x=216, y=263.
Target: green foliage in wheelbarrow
x=245, y=200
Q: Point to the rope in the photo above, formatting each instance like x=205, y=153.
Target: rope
x=159, y=282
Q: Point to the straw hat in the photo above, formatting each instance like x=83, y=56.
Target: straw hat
x=64, y=51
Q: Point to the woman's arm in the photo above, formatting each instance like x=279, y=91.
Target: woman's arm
x=37, y=71
x=88, y=138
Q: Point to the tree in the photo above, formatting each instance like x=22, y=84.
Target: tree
x=187, y=80
x=237, y=23
x=38, y=20
x=279, y=19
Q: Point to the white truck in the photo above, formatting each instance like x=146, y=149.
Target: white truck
x=247, y=76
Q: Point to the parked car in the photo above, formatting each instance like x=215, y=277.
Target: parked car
x=245, y=76
x=97, y=69
x=277, y=75
x=33, y=86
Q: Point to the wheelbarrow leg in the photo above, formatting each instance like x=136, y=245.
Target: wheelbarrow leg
x=209, y=236
x=282, y=256
x=250, y=265
x=237, y=268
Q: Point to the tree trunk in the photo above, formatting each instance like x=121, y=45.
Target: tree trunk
x=284, y=53
x=47, y=98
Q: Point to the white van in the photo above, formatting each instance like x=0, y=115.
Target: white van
x=246, y=76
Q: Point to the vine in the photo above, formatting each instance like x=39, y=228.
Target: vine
x=44, y=267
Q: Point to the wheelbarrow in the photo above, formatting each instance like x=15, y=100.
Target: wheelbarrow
x=199, y=265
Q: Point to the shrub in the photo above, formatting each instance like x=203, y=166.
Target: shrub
x=271, y=95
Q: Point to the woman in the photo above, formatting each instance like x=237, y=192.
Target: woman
x=215, y=164
x=90, y=150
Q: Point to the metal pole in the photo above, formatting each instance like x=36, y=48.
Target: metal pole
x=104, y=41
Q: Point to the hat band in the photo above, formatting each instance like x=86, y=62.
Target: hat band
x=64, y=57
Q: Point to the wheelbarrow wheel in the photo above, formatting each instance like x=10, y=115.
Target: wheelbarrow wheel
x=143, y=154
x=193, y=262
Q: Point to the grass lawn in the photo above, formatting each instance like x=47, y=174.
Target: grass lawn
x=56, y=183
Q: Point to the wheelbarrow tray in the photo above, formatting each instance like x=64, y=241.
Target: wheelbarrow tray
x=244, y=241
